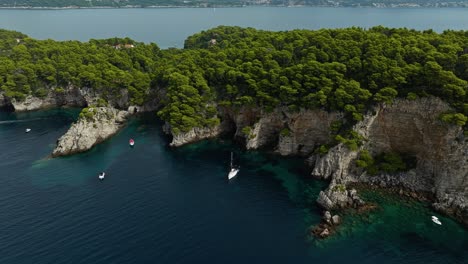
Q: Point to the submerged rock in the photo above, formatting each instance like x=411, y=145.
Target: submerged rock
x=94, y=125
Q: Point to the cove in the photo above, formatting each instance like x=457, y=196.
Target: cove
x=174, y=205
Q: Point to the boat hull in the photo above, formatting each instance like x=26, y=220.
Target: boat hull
x=232, y=174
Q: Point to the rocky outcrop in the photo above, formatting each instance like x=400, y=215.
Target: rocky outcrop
x=194, y=134
x=413, y=128
x=327, y=226
x=98, y=125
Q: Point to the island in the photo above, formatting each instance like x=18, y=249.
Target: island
x=381, y=106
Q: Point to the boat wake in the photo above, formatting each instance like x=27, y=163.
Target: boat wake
x=20, y=121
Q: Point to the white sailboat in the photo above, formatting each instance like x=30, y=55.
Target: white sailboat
x=101, y=175
x=233, y=172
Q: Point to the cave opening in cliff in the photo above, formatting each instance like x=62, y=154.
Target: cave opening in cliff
x=8, y=107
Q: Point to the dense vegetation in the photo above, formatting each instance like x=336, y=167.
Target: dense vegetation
x=338, y=70
x=345, y=70
x=210, y=3
x=29, y=66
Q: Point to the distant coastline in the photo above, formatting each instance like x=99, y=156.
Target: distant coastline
x=411, y=6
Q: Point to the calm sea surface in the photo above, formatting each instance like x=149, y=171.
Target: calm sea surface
x=169, y=27
x=164, y=205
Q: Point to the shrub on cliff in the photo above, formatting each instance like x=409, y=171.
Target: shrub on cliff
x=458, y=119
x=385, y=162
x=87, y=113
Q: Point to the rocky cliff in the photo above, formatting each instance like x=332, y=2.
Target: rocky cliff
x=195, y=134
x=410, y=127
x=413, y=128
x=70, y=96
x=98, y=124
x=287, y=132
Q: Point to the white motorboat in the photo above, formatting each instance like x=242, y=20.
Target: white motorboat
x=28, y=130
x=436, y=220
x=233, y=172
x=131, y=142
x=102, y=175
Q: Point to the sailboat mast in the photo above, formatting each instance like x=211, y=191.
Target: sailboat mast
x=231, y=158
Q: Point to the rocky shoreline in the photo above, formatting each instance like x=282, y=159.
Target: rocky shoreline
x=94, y=126
x=406, y=126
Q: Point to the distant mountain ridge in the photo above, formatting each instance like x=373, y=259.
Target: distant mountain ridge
x=226, y=3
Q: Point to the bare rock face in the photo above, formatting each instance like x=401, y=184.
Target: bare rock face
x=291, y=133
x=99, y=125
x=265, y=131
x=305, y=130
x=195, y=134
x=70, y=96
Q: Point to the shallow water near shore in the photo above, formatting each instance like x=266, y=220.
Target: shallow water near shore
x=175, y=205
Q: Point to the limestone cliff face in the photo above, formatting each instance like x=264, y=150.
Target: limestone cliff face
x=71, y=96
x=305, y=130
x=195, y=134
x=89, y=131
x=414, y=128
x=289, y=133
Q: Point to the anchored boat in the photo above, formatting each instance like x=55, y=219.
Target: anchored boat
x=233, y=172
x=436, y=220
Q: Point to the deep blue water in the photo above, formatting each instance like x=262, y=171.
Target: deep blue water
x=169, y=27
x=164, y=205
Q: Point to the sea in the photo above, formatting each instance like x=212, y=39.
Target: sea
x=160, y=204
x=169, y=27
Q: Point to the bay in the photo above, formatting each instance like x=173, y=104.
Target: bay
x=174, y=205
x=169, y=27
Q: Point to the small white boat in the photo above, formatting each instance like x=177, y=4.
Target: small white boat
x=233, y=172
x=102, y=175
x=28, y=130
x=131, y=142
x=436, y=220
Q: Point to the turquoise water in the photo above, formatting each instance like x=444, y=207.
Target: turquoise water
x=169, y=27
x=164, y=205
